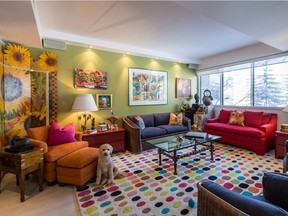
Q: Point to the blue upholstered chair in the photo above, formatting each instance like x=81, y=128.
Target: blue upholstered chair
x=285, y=160
x=214, y=199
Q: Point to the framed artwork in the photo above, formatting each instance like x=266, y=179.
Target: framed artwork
x=147, y=87
x=104, y=101
x=183, y=88
x=92, y=79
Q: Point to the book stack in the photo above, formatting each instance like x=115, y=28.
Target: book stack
x=284, y=128
x=193, y=134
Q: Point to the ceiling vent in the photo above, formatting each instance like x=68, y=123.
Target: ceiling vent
x=54, y=44
x=193, y=66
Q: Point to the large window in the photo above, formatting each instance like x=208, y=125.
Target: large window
x=262, y=84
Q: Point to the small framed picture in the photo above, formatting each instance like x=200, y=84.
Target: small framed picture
x=104, y=101
x=183, y=88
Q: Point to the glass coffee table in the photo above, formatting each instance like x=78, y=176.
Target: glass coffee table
x=170, y=145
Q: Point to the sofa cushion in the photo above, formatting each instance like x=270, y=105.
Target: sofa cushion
x=253, y=119
x=152, y=131
x=266, y=118
x=173, y=128
x=175, y=119
x=148, y=120
x=275, y=189
x=58, y=135
x=161, y=119
x=139, y=121
x=224, y=116
x=243, y=203
x=237, y=118
x=235, y=129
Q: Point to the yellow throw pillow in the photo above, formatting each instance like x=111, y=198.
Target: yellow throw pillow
x=175, y=119
x=237, y=118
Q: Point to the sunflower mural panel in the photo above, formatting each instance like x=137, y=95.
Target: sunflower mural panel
x=16, y=91
x=2, y=135
x=47, y=62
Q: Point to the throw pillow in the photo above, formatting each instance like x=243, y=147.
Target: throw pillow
x=176, y=119
x=58, y=135
x=139, y=121
x=224, y=116
x=253, y=119
x=236, y=118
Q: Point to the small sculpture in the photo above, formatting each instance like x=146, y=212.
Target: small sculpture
x=196, y=97
x=112, y=119
x=93, y=124
x=207, y=98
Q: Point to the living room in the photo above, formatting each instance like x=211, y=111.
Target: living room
x=117, y=63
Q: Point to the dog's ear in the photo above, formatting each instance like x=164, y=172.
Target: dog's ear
x=111, y=149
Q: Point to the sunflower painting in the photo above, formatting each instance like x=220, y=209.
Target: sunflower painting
x=17, y=56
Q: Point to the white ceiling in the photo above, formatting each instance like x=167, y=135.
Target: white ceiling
x=185, y=31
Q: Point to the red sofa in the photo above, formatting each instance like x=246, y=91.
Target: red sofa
x=257, y=134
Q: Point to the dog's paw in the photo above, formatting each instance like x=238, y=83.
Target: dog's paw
x=110, y=181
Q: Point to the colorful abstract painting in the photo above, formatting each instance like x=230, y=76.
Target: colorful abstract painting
x=92, y=79
x=147, y=87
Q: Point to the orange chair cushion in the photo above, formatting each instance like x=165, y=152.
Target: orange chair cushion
x=58, y=151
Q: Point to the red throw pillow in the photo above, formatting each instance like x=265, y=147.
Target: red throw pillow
x=237, y=118
x=58, y=135
x=224, y=116
x=253, y=119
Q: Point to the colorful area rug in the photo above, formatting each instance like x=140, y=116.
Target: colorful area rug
x=150, y=189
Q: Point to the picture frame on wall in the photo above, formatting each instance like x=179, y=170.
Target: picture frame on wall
x=104, y=101
x=183, y=88
x=92, y=79
x=147, y=87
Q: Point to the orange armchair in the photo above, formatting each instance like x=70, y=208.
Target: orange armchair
x=39, y=136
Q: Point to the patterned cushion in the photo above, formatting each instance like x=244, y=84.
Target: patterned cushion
x=176, y=119
x=139, y=121
x=237, y=118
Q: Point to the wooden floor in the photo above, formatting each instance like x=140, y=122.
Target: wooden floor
x=51, y=201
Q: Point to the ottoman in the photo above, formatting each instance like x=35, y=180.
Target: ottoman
x=78, y=167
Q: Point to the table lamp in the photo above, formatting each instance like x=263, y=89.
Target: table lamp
x=84, y=103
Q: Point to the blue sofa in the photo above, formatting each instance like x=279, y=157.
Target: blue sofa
x=156, y=125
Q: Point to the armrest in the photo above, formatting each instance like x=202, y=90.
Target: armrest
x=275, y=189
x=39, y=144
x=233, y=203
x=213, y=120
x=187, y=122
x=133, y=136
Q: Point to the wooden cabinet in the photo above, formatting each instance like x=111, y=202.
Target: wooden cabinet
x=116, y=138
x=280, y=149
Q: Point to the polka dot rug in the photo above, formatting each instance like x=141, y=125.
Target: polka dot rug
x=150, y=189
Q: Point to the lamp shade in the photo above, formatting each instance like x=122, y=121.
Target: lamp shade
x=83, y=103
x=285, y=109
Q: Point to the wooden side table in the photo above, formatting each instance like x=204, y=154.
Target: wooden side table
x=116, y=138
x=21, y=164
x=280, y=149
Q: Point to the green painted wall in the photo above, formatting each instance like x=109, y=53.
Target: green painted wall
x=116, y=65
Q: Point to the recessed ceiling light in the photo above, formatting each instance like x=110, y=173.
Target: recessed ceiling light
x=90, y=46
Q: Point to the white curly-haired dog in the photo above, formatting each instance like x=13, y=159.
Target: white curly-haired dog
x=106, y=170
